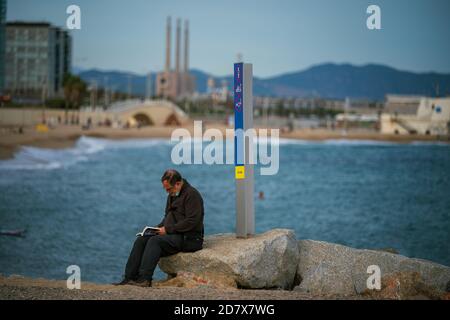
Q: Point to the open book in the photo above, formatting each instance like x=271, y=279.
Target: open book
x=148, y=231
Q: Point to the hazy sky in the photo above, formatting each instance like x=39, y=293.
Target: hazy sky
x=276, y=36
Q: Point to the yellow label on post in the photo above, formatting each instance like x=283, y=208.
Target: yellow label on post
x=240, y=172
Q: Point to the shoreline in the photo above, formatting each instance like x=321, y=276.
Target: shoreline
x=66, y=136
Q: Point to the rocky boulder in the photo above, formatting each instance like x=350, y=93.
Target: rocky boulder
x=267, y=260
x=327, y=268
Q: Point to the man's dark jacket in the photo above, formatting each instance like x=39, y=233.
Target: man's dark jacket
x=184, y=215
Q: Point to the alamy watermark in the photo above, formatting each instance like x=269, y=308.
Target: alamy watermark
x=73, y=21
x=374, y=280
x=74, y=280
x=374, y=20
x=190, y=150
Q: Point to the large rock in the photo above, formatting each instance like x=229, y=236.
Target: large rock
x=267, y=260
x=327, y=268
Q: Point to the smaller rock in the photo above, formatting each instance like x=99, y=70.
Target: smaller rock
x=191, y=280
x=405, y=285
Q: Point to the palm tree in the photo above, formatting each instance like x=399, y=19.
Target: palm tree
x=74, y=90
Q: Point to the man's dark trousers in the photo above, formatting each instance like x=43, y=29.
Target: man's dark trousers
x=146, y=253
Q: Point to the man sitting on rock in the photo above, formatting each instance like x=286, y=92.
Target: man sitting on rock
x=180, y=230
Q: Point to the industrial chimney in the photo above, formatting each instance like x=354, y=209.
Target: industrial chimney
x=168, y=30
x=186, y=46
x=177, y=49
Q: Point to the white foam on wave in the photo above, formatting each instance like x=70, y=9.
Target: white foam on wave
x=331, y=142
x=32, y=158
x=350, y=142
x=93, y=145
x=430, y=143
x=355, y=142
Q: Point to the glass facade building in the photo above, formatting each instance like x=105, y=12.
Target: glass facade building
x=37, y=56
x=2, y=43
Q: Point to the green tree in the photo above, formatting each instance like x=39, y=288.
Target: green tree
x=74, y=91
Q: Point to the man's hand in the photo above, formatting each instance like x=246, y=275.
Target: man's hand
x=162, y=231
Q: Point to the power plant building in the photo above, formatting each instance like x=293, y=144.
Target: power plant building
x=178, y=83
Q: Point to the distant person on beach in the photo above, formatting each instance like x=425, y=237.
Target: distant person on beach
x=181, y=229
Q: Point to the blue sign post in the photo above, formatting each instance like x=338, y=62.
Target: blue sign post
x=238, y=121
x=243, y=120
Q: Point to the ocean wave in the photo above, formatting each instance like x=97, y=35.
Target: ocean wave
x=350, y=142
x=32, y=158
x=430, y=143
x=93, y=145
x=357, y=142
x=331, y=142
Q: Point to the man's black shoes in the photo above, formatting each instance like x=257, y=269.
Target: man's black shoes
x=141, y=283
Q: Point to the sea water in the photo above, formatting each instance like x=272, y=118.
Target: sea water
x=83, y=206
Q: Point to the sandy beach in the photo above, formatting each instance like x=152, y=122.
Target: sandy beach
x=66, y=136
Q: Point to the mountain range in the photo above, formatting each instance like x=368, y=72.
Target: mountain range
x=334, y=81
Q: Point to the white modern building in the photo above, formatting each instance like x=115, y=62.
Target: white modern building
x=416, y=115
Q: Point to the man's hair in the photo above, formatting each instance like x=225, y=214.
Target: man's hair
x=171, y=176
